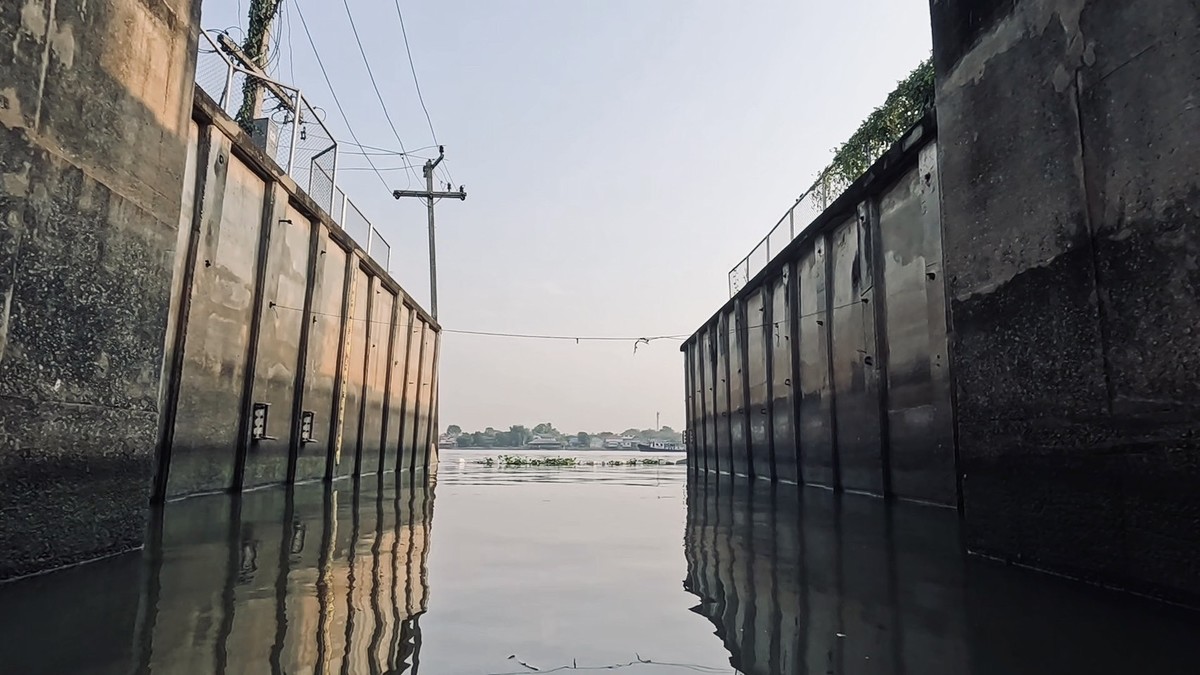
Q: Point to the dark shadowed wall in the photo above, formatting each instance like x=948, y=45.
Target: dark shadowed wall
x=1071, y=200
x=829, y=367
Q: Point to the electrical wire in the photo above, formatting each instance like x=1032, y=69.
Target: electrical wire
x=338, y=103
x=287, y=22
x=274, y=55
x=374, y=153
x=519, y=336
x=444, y=167
x=406, y=167
x=585, y=338
x=375, y=86
x=593, y=338
x=413, y=68
x=387, y=150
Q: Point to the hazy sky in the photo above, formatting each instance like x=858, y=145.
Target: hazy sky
x=619, y=157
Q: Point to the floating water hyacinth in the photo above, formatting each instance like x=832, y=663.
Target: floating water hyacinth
x=519, y=461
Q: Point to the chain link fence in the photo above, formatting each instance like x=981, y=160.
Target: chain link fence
x=356, y=224
x=379, y=249
x=289, y=129
x=808, y=206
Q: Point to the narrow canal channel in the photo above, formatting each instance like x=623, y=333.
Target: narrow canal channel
x=594, y=568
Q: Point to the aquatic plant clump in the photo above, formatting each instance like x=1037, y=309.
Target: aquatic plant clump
x=519, y=461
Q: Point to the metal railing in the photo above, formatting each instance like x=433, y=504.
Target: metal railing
x=361, y=230
x=294, y=134
x=810, y=204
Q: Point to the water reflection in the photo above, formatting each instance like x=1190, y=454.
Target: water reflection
x=802, y=581
x=316, y=580
x=571, y=567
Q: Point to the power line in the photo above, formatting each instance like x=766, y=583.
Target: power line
x=375, y=86
x=406, y=167
x=383, y=153
x=273, y=54
x=389, y=150
x=446, y=170
x=287, y=22
x=375, y=153
x=413, y=68
x=580, y=338
x=328, y=83
x=518, y=336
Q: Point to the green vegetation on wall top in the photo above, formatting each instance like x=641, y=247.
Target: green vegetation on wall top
x=904, y=107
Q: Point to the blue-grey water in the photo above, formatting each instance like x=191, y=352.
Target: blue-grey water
x=590, y=568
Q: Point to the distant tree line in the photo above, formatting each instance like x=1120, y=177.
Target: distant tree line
x=518, y=435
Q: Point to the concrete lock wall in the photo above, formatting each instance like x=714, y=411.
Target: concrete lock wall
x=95, y=99
x=1072, y=233
x=1061, y=201
x=830, y=367
x=277, y=306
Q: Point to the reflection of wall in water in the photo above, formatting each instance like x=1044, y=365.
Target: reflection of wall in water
x=799, y=580
x=318, y=580
x=330, y=581
x=781, y=572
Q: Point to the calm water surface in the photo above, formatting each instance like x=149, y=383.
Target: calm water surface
x=620, y=569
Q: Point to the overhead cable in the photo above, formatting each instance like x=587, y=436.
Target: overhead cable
x=375, y=85
x=413, y=68
x=575, y=338
x=417, y=84
x=329, y=83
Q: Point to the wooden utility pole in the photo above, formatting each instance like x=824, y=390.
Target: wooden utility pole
x=257, y=49
x=429, y=195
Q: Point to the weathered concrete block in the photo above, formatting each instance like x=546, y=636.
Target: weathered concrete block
x=1068, y=155
x=94, y=102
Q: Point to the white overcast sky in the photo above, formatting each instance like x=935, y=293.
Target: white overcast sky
x=619, y=157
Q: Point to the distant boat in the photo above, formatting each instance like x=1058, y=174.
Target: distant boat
x=661, y=446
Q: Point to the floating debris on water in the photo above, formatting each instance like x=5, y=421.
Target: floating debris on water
x=517, y=461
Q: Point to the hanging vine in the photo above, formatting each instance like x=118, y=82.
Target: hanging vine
x=261, y=14
x=911, y=99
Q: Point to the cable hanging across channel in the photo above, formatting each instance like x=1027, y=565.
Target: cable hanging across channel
x=639, y=340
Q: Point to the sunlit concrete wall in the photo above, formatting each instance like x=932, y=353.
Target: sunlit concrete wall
x=95, y=102
x=277, y=305
x=1069, y=153
x=829, y=368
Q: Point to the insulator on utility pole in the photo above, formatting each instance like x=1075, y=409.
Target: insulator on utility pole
x=430, y=195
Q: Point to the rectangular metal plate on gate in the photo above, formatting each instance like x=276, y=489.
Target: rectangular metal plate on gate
x=308, y=420
x=258, y=423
